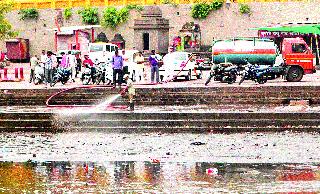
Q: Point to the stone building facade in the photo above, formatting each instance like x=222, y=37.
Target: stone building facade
x=223, y=23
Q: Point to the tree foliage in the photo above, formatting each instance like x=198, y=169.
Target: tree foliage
x=6, y=30
x=113, y=17
x=89, y=15
x=244, y=9
x=30, y=13
x=67, y=13
x=202, y=10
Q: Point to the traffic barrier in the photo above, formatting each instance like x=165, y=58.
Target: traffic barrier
x=5, y=74
x=16, y=76
x=21, y=74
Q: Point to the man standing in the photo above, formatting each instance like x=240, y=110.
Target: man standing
x=43, y=57
x=63, y=63
x=48, y=66
x=33, y=64
x=125, y=62
x=139, y=59
x=72, y=64
x=131, y=92
x=168, y=68
x=117, y=66
x=154, y=63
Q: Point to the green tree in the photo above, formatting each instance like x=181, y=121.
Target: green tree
x=6, y=30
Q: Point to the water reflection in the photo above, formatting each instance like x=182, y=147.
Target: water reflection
x=169, y=177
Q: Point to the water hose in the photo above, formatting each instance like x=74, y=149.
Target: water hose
x=95, y=86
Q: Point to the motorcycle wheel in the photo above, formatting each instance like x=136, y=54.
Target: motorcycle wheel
x=53, y=82
x=232, y=78
x=263, y=79
x=36, y=81
x=99, y=80
x=108, y=82
x=242, y=79
x=208, y=80
x=86, y=81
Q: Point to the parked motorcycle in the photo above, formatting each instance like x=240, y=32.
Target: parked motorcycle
x=229, y=74
x=38, y=74
x=256, y=73
x=86, y=77
x=104, y=73
x=62, y=75
x=217, y=72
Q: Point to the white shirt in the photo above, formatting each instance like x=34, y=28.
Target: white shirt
x=43, y=58
x=71, y=59
x=125, y=60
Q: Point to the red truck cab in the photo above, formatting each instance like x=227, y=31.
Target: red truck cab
x=298, y=58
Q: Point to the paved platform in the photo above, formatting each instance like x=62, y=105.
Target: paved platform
x=308, y=80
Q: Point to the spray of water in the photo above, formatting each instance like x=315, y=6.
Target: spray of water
x=107, y=102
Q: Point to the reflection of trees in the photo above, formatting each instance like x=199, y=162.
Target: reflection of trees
x=16, y=177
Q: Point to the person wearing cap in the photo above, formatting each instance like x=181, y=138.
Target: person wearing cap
x=131, y=91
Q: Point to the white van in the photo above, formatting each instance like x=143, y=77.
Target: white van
x=98, y=51
x=179, y=64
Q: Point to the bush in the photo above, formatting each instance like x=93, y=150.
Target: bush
x=67, y=13
x=30, y=13
x=244, y=9
x=135, y=7
x=89, y=15
x=202, y=10
x=113, y=17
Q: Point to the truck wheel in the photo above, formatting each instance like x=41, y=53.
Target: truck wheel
x=199, y=76
x=188, y=77
x=294, y=74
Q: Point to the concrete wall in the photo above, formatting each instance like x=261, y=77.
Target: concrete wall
x=223, y=23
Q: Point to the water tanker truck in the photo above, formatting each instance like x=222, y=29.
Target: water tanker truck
x=293, y=60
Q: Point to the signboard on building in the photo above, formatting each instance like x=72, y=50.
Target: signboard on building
x=268, y=34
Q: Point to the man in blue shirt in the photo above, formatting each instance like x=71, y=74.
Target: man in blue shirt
x=117, y=66
x=154, y=63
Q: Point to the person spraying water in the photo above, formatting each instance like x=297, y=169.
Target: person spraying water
x=131, y=92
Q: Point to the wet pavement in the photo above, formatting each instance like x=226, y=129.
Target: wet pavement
x=284, y=147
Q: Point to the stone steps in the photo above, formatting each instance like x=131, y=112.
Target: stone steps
x=261, y=95
x=161, y=122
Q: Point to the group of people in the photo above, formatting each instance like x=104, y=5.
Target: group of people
x=120, y=66
x=49, y=62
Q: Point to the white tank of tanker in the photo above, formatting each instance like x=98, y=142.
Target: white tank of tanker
x=236, y=51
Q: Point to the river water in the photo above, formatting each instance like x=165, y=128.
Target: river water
x=101, y=162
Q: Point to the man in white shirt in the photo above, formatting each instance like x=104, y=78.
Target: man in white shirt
x=125, y=62
x=43, y=57
x=71, y=59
